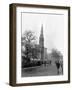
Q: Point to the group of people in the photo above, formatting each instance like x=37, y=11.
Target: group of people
x=59, y=66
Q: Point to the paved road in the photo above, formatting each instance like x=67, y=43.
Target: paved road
x=43, y=70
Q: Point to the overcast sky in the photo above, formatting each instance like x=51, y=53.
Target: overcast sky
x=53, y=28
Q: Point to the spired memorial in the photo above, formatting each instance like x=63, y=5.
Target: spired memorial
x=42, y=56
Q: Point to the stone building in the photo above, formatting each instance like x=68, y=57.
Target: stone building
x=43, y=51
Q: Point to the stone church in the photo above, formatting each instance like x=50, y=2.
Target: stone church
x=43, y=51
x=42, y=55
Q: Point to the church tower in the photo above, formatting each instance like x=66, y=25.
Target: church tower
x=41, y=43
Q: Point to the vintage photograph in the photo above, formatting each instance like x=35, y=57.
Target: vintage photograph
x=39, y=44
x=42, y=44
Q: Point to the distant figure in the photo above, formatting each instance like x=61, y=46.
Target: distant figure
x=61, y=64
x=45, y=63
x=50, y=62
x=58, y=66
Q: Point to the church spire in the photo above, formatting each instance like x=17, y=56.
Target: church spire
x=41, y=42
x=41, y=39
x=42, y=30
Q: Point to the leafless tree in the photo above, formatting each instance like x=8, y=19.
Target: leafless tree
x=28, y=41
x=57, y=56
x=28, y=37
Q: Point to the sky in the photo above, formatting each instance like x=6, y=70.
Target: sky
x=53, y=28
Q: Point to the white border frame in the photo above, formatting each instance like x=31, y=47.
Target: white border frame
x=20, y=79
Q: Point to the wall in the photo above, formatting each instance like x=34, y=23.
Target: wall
x=4, y=45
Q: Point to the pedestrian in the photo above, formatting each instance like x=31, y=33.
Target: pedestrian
x=58, y=66
x=61, y=64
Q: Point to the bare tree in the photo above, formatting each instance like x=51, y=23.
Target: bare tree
x=28, y=40
x=56, y=56
x=28, y=37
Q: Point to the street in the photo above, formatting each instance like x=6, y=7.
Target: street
x=43, y=70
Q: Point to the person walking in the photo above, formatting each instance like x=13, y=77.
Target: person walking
x=58, y=66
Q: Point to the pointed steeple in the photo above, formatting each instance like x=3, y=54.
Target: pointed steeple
x=41, y=39
x=42, y=30
x=41, y=43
